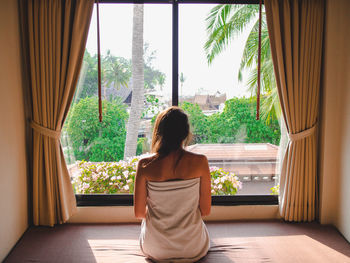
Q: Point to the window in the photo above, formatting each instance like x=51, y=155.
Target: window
x=102, y=157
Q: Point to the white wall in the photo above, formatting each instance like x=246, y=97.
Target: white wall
x=13, y=174
x=335, y=122
x=125, y=214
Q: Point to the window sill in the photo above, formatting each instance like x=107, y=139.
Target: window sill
x=127, y=200
x=125, y=214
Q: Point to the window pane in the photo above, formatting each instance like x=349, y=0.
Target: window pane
x=94, y=151
x=220, y=96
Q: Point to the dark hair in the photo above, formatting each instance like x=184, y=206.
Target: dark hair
x=171, y=132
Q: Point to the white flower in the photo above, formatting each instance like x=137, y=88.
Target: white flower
x=126, y=187
x=126, y=173
x=113, y=177
x=119, y=177
x=94, y=176
x=216, y=181
x=220, y=186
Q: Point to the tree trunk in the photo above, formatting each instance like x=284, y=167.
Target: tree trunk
x=137, y=99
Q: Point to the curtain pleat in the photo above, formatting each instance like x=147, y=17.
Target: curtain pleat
x=295, y=31
x=55, y=32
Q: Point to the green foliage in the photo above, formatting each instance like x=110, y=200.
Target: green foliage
x=141, y=145
x=239, y=120
x=198, y=122
x=116, y=73
x=224, y=23
x=95, y=141
x=236, y=124
x=87, y=85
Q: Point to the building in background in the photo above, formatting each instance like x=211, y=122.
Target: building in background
x=254, y=163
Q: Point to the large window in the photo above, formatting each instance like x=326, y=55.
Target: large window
x=214, y=85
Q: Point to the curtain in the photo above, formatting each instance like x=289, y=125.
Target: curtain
x=296, y=31
x=55, y=33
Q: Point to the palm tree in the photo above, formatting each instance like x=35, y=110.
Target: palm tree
x=116, y=71
x=161, y=80
x=182, y=80
x=137, y=100
x=224, y=23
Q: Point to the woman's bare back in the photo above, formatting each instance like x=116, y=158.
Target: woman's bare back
x=178, y=165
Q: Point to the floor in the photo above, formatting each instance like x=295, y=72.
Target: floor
x=263, y=241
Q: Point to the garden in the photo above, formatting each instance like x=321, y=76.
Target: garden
x=119, y=178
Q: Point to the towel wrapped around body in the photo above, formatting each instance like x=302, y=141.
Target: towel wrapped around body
x=173, y=230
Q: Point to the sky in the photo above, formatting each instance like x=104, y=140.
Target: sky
x=221, y=75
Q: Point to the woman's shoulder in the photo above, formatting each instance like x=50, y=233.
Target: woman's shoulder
x=146, y=160
x=195, y=156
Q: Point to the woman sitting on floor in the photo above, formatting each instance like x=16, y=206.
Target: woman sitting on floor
x=172, y=193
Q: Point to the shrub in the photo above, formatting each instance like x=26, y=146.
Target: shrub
x=95, y=141
x=119, y=178
x=224, y=183
x=106, y=177
x=235, y=124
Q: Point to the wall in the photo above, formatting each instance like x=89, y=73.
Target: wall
x=335, y=121
x=13, y=173
x=125, y=214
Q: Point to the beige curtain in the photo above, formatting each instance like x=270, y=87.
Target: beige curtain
x=296, y=30
x=55, y=32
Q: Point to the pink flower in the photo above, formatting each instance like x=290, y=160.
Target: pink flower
x=213, y=168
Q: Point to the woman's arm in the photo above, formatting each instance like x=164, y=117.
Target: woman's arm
x=140, y=193
x=205, y=187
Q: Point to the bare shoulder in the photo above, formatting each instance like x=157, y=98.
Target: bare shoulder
x=196, y=157
x=144, y=165
x=145, y=160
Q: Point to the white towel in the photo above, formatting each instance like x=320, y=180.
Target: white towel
x=173, y=230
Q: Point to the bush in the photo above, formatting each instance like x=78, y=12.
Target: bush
x=95, y=141
x=223, y=183
x=236, y=124
x=106, y=177
x=119, y=178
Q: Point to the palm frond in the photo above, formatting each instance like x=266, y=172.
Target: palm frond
x=250, y=52
x=224, y=23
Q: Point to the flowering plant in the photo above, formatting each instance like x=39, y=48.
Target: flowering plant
x=275, y=190
x=119, y=178
x=224, y=183
x=106, y=177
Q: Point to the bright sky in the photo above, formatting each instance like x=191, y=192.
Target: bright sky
x=221, y=75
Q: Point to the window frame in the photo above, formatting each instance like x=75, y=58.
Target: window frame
x=217, y=200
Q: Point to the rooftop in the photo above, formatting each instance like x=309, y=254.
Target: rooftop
x=236, y=152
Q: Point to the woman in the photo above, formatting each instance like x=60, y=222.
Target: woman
x=172, y=193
